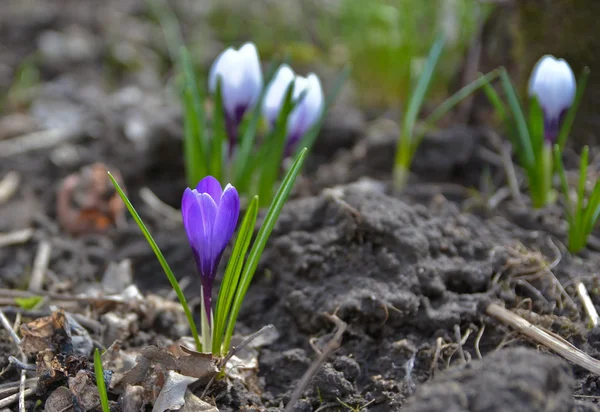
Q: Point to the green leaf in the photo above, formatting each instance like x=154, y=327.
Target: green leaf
x=309, y=138
x=29, y=303
x=274, y=148
x=560, y=169
x=449, y=104
x=519, y=117
x=219, y=135
x=99, y=372
x=162, y=260
x=195, y=123
x=403, y=158
x=536, y=124
x=231, y=278
x=260, y=242
x=570, y=116
x=244, y=168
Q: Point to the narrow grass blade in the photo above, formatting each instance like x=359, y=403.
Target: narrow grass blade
x=99, y=372
x=170, y=27
x=570, y=117
x=560, y=169
x=309, y=138
x=243, y=166
x=496, y=101
x=414, y=106
x=196, y=142
x=592, y=209
x=195, y=165
x=536, y=124
x=219, y=135
x=583, y=165
x=461, y=94
x=519, y=118
x=449, y=104
x=161, y=259
x=274, y=148
x=231, y=278
x=260, y=242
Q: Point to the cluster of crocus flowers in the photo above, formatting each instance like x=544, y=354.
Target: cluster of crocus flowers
x=241, y=85
x=210, y=215
x=241, y=82
x=308, y=96
x=553, y=83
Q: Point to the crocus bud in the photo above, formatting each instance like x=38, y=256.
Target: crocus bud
x=241, y=83
x=306, y=112
x=210, y=215
x=553, y=83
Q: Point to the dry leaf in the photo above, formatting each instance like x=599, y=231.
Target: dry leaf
x=172, y=395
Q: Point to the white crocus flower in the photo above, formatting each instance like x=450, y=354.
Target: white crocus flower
x=553, y=83
x=241, y=81
x=306, y=112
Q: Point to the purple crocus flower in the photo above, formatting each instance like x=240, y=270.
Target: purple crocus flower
x=210, y=215
x=553, y=83
x=306, y=112
x=241, y=84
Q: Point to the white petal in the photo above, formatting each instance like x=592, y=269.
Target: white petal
x=553, y=83
x=241, y=77
x=309, y=110
x=276, y=92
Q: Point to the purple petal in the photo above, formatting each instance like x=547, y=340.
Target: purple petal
x=192, y=216
x=226, y=220
x=211, y=186
x=208, y=209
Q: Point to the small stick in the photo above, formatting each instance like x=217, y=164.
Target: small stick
x=13, y=398
x=17, y=342
x=40, y=265
x=8, y=186
x=332, y=345
x=159, y=206
x=44, y=139
x=587, y=303
x=459, y=343
x=478, y=340
x=511, y=176
x=16, y=237
x=543, y=337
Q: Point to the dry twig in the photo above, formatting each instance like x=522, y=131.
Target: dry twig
x=543, y=337
x=587, y=303
x=332, y=345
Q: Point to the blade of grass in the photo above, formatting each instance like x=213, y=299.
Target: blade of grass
x=195, y=167
x=161, y=259
x=274, y=147
x=449, y=103
x=519, y=117
x=581, y=187
x=197, y=122
x=560, y=169
x=260, y=242
x=536, y=124
x=309, y=138
x=232, y=274
x=570, y=116
x=415, y=103
x=244, y=170
x=461, y=94
x=219, y=136
x=99, y=372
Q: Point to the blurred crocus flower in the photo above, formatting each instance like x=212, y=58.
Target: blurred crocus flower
x=210, y=215
x=553, y=83
x=306, y=112
x=241, y=84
